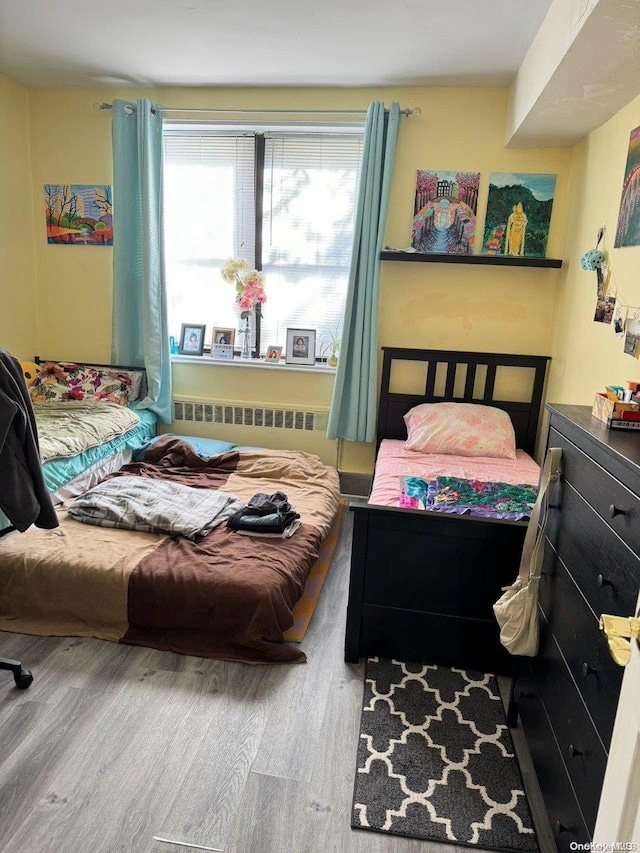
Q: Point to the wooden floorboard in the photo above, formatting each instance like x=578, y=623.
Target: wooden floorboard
x=113, y=745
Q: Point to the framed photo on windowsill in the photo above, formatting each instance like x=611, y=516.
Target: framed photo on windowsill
x=273, y=354
x=301, y=346
x=191, y=339
x=222, y=336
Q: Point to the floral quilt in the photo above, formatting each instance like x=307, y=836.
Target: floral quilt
x=469, y=497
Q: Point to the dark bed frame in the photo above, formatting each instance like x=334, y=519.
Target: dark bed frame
x=423, y=584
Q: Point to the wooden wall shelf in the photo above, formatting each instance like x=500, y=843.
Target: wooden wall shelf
x=480, y=260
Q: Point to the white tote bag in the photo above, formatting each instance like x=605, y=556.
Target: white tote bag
x=517, y=609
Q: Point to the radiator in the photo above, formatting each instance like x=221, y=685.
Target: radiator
x=250, y=414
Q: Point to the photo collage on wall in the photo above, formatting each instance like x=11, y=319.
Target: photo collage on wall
x=611, y=308
x=626, y=320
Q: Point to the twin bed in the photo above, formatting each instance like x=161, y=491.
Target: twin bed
x=422, y=583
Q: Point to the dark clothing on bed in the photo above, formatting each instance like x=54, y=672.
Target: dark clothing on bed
x=264, y=514
x=24, y=498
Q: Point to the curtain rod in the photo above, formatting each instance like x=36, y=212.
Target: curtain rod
x=406, y=112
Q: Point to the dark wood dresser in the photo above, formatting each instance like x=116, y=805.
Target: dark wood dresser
x=567, y=695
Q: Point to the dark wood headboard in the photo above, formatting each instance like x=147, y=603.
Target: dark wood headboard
x=525, y=414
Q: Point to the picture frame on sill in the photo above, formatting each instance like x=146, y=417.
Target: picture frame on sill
x=273, y=354
x=301, y=346
x=191, y=339
x=223, y=352
x=222, y=336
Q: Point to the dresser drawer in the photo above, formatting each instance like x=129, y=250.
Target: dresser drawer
x=581, y=642
x=606, y=571
x=566, y=819
x=578, y=742
x=610, y=499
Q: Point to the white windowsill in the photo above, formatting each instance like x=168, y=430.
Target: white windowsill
x=320, y=368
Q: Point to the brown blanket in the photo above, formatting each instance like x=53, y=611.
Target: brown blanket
x=223, y=595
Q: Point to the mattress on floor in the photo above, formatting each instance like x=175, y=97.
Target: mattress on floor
x=60, y=472
x=224, y=595
x=394, y=462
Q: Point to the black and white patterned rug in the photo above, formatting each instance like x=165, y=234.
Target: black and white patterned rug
x=436, y=760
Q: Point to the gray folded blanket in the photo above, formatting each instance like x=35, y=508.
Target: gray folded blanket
x=154, y=506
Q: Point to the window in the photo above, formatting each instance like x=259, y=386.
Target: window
x=283, y=199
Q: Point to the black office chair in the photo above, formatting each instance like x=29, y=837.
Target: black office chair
x=22, y=676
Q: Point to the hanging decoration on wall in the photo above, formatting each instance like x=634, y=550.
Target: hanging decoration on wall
x=611, y=307
x=594, y=258
x=518, y=214
x=79, y=214
x=444, y=212
x=605, y=307
x=628, y=230
x=619, y=319
x=632, y=335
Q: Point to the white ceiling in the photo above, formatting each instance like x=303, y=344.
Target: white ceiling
x=90, y=43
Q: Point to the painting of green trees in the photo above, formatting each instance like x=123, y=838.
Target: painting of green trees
x=518, y=214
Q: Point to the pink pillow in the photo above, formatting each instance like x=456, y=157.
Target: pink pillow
x=460, y=429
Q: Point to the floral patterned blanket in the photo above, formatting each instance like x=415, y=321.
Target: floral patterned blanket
x=469, y=497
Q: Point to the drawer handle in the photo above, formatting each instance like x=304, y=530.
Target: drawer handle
x=614, y=510
x=560, y=828
x=602, y=581
x=573, y=752
x=587, y=670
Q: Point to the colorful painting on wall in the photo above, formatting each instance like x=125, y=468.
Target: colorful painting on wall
x=79, y=214
x=518, y=214
x=444, y=212
x=628, y=230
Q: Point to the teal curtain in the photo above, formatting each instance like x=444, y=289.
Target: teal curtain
x=140, y=328
x=353, y=406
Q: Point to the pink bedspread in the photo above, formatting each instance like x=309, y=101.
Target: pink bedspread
x=395, y=461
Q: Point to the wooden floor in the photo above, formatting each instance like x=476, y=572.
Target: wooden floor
x=113, y=745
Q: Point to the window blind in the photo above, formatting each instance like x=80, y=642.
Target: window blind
x=309, y=179
x=310, y=182
x=209, y=216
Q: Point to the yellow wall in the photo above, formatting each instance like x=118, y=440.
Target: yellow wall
x=18, y=331
x=587, y=355
x=442, y=306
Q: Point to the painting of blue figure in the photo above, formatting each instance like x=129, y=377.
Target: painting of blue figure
x=444, y=212
x=518, y=214
x=79, y=214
